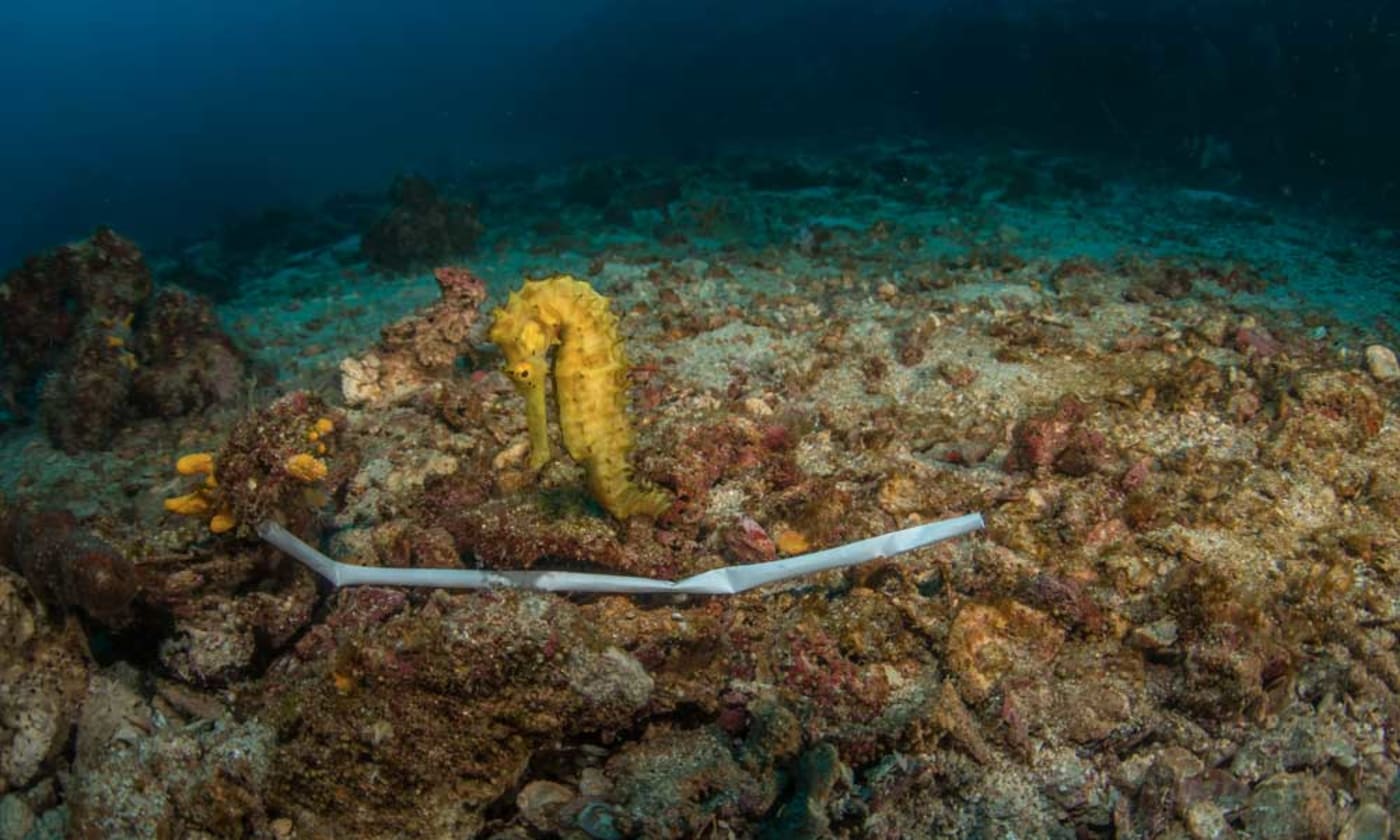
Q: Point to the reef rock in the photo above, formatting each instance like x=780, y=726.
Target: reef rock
x=81, y=320
x=417, y=350
x=421, y=228
x=1381, y=362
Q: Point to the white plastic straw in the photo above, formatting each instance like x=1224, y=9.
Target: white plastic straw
x=728, y=580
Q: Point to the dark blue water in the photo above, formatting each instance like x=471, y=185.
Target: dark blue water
x=167, y=120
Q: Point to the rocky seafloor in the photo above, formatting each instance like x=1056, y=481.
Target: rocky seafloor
x=1176, y=409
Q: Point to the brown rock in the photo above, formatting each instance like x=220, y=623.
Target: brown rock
x=1289, y=806
x=987, y=642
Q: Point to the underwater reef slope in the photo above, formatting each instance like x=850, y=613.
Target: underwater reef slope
x=1176, y=410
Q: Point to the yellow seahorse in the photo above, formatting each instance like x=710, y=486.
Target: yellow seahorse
x=590, y=385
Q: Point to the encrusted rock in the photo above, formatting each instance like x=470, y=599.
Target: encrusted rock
x=900, y=495
x=1381, y=362
x=472, y=685
x=674, y=782
x=1289, y=806
x=419, y=349
x=540, y=801
x=41, y=683
x=421, y=228
x=16, y=818
x=135, y=778
x=819, y=771
x=1336, y=408
x=952, y=718
x=80, y=321
x=1158, y=793
x=1300, y=741
x=1155, y=638
x=68, y=566
x=17, y=619
x=1368, y=822
x=1206, y=821
x=362, y=379
x=211, y=652
x=1057, y=439
x=611, y=678
x=187, y=361
x=745, y=541
x=987, y=642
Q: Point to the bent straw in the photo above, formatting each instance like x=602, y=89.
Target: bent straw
x=728, y=580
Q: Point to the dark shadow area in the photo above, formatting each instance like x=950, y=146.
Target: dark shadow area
x=170, y=123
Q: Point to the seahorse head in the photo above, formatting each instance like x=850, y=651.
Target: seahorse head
x=525, y=344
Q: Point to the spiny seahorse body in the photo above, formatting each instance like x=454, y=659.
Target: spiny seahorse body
x=590, y=385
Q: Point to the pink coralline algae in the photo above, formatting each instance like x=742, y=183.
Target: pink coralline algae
x=1057, y=440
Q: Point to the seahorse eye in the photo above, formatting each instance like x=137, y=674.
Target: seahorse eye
x=521, y=372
